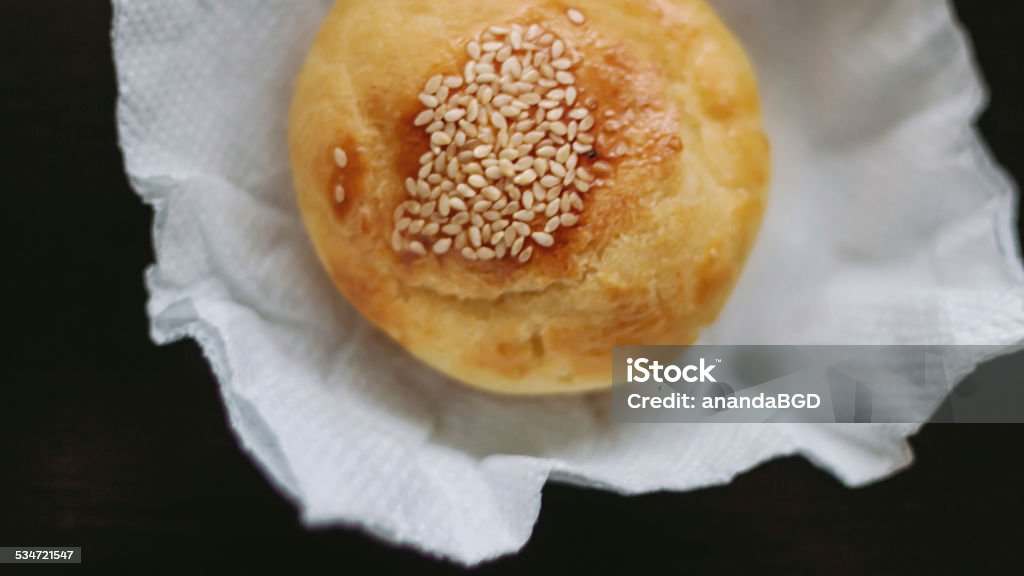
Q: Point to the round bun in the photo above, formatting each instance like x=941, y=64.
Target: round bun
x=677, y=161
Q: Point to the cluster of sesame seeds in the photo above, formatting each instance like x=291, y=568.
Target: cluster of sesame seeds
x=502, y=174
x=341, y=161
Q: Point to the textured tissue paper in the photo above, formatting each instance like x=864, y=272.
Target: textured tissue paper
x=888, y=223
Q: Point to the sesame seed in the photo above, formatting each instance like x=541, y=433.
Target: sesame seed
x=561, y=64
x=512, y=67
x=339, y=194
x=602, y=168
x=526, y=177
x=457, y=204
x=540, y=166
x=477, y=181
x=433, y=85
x=575, y=201
x=465, y=190
x=523, y=163
x=552, y=208
x=442, y=246
x=340, y=158
x=424, y=118
x=523, y=216
x=552, y=225
x=534, y=137
x=565, y=204
x=550, y=181
x=498, y=121
x=500, y=176
x=521, y=228
x=455, y=115
x=557, y=49
x=575, y=16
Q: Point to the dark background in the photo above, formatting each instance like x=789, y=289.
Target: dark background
x=111, y=443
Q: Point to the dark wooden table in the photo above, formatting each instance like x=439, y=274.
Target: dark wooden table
x=111, y=443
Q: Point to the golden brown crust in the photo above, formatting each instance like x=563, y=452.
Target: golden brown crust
x=661, y=241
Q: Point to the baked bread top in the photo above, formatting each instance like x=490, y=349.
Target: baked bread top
x=406, y=114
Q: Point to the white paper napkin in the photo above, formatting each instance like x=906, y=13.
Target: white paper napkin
x=889, y=223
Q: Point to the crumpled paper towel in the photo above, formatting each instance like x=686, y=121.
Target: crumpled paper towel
x=889, y=223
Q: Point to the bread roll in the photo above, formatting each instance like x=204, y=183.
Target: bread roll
x=511, y=188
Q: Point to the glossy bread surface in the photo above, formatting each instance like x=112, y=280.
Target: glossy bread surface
x=661, y=241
